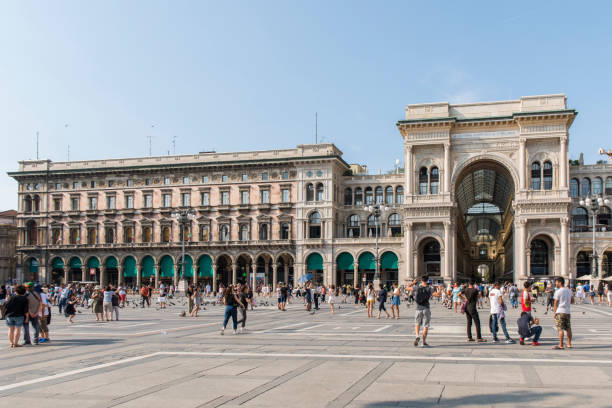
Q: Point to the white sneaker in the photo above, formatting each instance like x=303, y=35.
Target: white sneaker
x=222, y=331
x=241, y=330
x=235, y=332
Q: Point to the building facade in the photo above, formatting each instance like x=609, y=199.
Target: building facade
x=487, y=189
x=8, y=245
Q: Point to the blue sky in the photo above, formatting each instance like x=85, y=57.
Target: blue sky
x=242, y=75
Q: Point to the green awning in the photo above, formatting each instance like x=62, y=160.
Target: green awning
x=345, y=262
x=93, y=263
x=188, y=266
x=166, y=267
x=33, y=265
x=148, y=267
x=205, y=266
x=388, y=261
x=366, y=261
x=57, y=263
x=314, y=262
x=76, y=263
x=129, y=267
x=112, y=262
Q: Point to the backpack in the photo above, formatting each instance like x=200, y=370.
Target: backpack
x=422, y=296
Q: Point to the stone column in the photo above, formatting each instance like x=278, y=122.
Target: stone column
x=274, y=275
x=266, y=266
x=447, y=273
x=157, y=269
x=447, y=167
x=119, y=275
x=522, y=169
x=66, y=273
x=138, y=276
x=286, y=273
x=519, y=251
x=563, y=176
x=564, y=247
x=234, y=266
x=103, y=276
x=84, y=271
x=195, y=275
x=409, y=170
x=528, y=263
x=410, y=273
x=214, y=278
x=355, y=274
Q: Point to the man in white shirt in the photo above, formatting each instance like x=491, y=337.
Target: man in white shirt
x=498, y=317
x=563, y=298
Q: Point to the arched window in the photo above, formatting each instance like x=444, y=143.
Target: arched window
x=353, y=229
x=75, y=238
x=369, y=196
x=606, y=266
x=580, y=219
x=574, y=188
x=224, y=233
x=263, y=232
x=358, y=196
x=597, y=186
x=609, y=186
x=166, y=234
x=92, y=237
x=309, y=192
x=603, y=217
x=128, y=234
x=379, y=195
x=395, y=225
x=314, y=225
x=434, y=180
x=539, y=257
x=27, y=204
x=547, y=171
x=423, y=180
x=146, y=234
x=109, y=235
x=244, y=232
x=284, y=230
x=31, y=237
x=399, y=195
x=319, y=192
x=431, y=257
x=372, y=224
x=536, y=180
x=483, y=252
x=389, y=195
x=348, y=196
x=36, y=204
x=56, y=238
x=586, y=187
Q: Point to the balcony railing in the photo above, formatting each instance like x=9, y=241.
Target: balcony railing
x=174, y=244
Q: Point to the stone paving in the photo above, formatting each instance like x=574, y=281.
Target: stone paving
x=155, y=357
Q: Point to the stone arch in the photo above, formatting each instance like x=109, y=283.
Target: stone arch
x=500, y=159
x=285, y=256
x=421, y=238
x=227, y=255
x=551, y=235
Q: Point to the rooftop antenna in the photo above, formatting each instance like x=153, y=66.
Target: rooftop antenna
x=173, y=144
x=150, y=137
x=316, y=128
x=37, y=145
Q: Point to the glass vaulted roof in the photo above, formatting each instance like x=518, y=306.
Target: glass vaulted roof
x=483, y=195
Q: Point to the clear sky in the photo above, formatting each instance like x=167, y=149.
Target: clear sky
x=100, y=76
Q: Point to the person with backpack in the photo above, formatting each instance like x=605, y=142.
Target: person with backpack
x=422, y=315
x=34, y=310
x=514, y=293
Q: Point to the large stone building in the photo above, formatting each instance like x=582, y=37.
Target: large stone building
x=487, y=189
x=8, y=245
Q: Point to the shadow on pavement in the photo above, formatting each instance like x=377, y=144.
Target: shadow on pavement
x=491, y=399
x=81, y=342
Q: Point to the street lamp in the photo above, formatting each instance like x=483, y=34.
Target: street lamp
x=594, y=204
x=184, y=217
x=376, y=210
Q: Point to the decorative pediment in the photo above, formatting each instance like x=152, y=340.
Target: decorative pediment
x=146, y=222
x=244, y=219
x=224, y=220
x=203, y=220
x=264, y=218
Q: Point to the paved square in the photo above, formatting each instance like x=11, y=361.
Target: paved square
x=156, y=358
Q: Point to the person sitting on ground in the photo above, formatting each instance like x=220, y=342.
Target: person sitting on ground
x=529, y=327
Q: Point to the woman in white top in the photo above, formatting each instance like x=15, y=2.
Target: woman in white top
x=370, y=296
x=332, y=297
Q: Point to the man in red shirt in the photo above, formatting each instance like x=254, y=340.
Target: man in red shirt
x=144, y=294
x=526, y=298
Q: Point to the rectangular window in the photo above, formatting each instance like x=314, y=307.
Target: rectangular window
x=285, y=195
x=130, y=182
x=58, y=186
x=167, y=200
x=265, y=196
x=225, y=198
x=186, y=180
x=148, y=201
x=57, y=204
x=110, y=203
x=264, y=175
x=93, y=203
x=204, y=179
x=245, y=177
x=111, y=183
x=244, y=197
x=129, y=201
x=285, y=175
x=224, y=178
x=206, y=198
x=74, y=204
x=75, y=185
x=166, y=180
x=92, y=184
x=186, y=199
x=147, y=182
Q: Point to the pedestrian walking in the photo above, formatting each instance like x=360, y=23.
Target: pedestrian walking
x=197, y=300
x=498, y=317
x=422, y=316
x=563, y=299
x=34, y=309
x=16, y=312
x=115, y=301
x=526, y=298
x=333, y=293
x=45, y=317
x=395, y=301
x=97, y=301
x=107, y=302
x=471, y=295
x=370, y=295
x=382, y=298
x=70, y=310
x=231, y=302
x=144, y=296
x=243, y=295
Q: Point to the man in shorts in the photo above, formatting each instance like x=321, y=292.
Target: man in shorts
x=422, y=317
x=563, y=299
